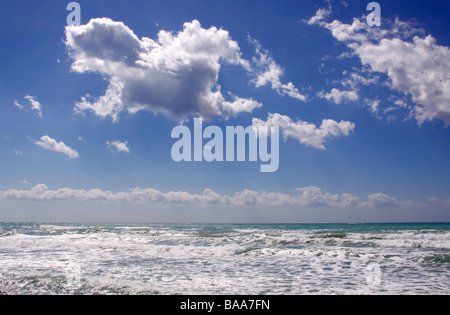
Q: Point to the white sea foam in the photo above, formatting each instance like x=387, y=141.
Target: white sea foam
x=55, y=259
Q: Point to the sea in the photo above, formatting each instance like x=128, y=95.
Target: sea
x=161, y=259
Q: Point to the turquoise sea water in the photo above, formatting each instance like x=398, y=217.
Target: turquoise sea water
x=225, y=259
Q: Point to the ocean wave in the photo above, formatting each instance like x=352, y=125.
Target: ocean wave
x=246, y=250
x=334, y=235
x=439, y=259
x=162, y=259
x=4, y=232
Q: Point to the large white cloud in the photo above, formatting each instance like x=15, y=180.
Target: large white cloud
x=415, y=65
x=176, y=74
x=307, y=133
x=51, y=144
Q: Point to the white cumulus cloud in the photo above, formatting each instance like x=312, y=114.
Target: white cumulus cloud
x=35, y=105
x=416, y=65
x=175, y=74
x=381, y=200
x=338, y=96
x=51, y=144
x=307, y=133
x=313, y=197
x=118, y=146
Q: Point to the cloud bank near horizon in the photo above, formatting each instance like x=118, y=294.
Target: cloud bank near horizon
x=301, y=197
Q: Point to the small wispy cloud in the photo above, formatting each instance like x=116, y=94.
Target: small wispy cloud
x=18, y=105
x=35, y=105
x=269, y=73
x=118, y=146
x=51, y=144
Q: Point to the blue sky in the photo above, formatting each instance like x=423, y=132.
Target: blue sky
x=390, y=82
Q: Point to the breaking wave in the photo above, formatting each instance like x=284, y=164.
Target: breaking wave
x=220, y=259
